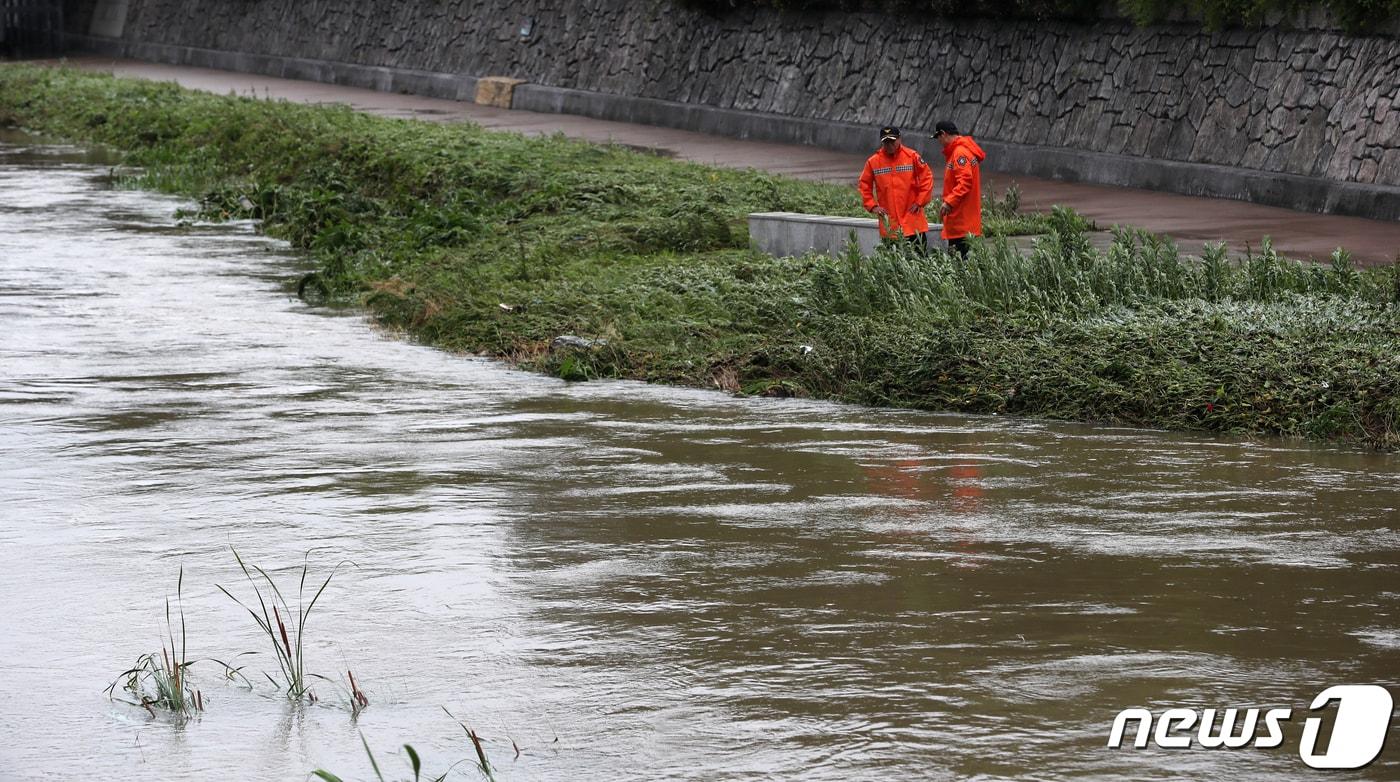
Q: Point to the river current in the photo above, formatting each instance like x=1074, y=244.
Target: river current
x=612, y=580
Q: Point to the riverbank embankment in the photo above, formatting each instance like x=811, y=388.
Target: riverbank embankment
x=1292, y=114
x=1192, y=221
x=499, y=244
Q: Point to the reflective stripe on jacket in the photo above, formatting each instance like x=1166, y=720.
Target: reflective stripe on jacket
x=896, y=182
x=962, y=188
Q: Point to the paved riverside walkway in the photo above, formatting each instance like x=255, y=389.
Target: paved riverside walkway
x=1190, y=220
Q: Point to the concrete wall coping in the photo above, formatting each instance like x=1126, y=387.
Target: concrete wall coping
x=798, y=217
x=793, y=234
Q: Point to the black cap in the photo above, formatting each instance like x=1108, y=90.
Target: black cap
x=889, y=131
x=945, y=127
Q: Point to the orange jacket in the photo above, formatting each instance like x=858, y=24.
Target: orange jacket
x=898, y=182
x=962, y=188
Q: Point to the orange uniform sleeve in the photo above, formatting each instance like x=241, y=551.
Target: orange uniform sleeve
x=867, y=187
x=961, y=172
x=923, y=182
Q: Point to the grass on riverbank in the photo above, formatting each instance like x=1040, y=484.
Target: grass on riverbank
x=496, y=243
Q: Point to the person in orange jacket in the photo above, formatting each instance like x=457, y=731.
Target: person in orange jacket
x=895, y=186
x=961, y=207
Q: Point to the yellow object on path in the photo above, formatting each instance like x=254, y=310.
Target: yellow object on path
x=496, y=91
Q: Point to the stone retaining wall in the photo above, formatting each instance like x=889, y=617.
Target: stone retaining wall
x=1318, y=108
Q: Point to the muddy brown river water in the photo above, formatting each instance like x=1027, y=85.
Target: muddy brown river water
x=623, y=581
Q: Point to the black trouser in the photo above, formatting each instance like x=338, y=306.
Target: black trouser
x=959, y=246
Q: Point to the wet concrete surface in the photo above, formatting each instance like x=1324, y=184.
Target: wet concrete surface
x=1190, y=220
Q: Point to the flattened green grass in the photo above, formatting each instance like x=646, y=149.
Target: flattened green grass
x=496, y=243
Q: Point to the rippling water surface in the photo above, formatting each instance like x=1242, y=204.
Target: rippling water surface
x=624, y=582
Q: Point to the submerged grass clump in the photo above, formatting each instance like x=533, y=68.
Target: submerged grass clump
x=274, y=615
x=499, y=244
x=162, y=682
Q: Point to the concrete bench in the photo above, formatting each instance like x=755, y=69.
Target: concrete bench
x=789, y=234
